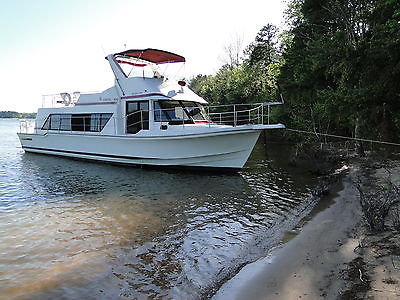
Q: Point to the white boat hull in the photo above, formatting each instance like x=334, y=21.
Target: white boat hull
x=228, y=149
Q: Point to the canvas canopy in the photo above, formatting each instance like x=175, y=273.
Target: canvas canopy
x=151, y=55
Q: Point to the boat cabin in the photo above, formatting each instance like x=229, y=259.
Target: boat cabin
x=140, y=103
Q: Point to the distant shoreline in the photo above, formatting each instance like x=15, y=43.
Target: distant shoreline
x=17, y=115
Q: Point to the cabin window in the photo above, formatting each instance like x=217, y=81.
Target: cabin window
x=178, y=111
x=55, y=122
x=80, y=122
x=65, y=122
x=137, y=116
x=195, y=110
x=77, y=122
x=46, y=124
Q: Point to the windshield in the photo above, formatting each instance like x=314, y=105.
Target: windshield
x=166, y=111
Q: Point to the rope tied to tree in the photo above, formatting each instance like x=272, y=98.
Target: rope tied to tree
x=343, y=137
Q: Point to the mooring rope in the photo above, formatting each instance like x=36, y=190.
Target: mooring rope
x=343, y=137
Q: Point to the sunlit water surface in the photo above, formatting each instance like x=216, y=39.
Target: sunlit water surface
x=80, y=230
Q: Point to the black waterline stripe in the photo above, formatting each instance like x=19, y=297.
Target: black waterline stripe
x=85, y=153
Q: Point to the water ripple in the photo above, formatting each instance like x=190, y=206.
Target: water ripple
x=73, y=229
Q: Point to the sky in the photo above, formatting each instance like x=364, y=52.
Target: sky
x=53, y=46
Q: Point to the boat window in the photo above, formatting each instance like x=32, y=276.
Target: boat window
x=95, y=122
x=195, y=110
x=173, y=111
x=46, y=124
x=104, y=118
x=65, y=122
x=80, y=122
x=55, y=122
x=77, y=122
x=137, y=116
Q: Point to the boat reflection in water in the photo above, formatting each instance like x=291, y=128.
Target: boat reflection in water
x=76, y=229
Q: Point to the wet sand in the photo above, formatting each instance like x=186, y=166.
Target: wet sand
x=328, y=259
x=306, y=266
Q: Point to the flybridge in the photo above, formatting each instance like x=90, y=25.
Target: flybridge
x=128, y=85
x=150, y=58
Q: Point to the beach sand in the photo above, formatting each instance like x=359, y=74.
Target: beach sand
x=334, y=256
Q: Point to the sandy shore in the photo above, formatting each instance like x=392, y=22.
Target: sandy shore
x=333, y=257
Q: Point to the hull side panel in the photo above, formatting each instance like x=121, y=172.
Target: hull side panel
x=211, y=150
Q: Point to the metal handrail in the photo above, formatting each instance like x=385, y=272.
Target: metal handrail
x=58, y=100
x=235, y=116
x=236, y=111
x=247, y=104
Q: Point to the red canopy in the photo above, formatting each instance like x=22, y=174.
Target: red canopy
x=152, y=55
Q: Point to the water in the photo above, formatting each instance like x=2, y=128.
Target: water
x=73, y=229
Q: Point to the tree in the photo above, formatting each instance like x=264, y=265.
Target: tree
x=337, y=62
x=337, y=51
x=264, y=50
x=248, y=80
x=233, y=53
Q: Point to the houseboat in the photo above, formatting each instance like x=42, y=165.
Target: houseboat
x=146, y=119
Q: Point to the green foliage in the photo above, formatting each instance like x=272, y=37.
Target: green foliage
x=263, y=51
x=337, y=62
x=254, y=80
x=341, y=65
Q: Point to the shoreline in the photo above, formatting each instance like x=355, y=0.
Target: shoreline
x=333, y=256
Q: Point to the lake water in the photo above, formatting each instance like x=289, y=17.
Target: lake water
x=80, y=230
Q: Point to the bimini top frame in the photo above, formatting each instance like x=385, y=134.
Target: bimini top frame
x=150, y=55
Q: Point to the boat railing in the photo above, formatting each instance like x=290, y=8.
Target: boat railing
x=26, y=126
x=62, y=99
x=229, y=115
x=59, y=100
x=237, y=114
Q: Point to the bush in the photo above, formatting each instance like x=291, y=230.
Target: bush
x=396, y=218
x=376, y=205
